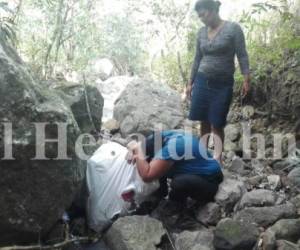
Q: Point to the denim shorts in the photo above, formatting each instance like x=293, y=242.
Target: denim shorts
x=211, y=99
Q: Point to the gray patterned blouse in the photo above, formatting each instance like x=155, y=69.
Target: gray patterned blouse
x=215, y=58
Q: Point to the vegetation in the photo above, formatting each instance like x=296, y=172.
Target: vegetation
x=142, y=37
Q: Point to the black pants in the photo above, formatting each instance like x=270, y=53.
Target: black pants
x=197, y=187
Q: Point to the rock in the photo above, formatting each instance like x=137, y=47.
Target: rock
x=86, y=104
x=257, y=198
x=248, y=112
x=265, y=216
x=296, y=201
x=274, y=182
x=286, y=229
x=111, y=90
x=257, y=166
x=229, y=193
x=112, y=126
x=232, y=132
x=135, y=232
x=100, y=68
x=202, y=239
x=235, y=235
x=294, y=177
x=146, y=105
x=210, y=214
x=280, y=167
x=237, y=166
x=255, y=181
x=33, y=193
x=286, y=245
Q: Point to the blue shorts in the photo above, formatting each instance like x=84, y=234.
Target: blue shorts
x=211, y=99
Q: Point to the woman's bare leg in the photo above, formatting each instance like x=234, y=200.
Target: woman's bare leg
x=205, y=131
x=218, y=134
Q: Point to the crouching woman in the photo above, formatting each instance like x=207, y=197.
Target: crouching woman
x=180, y=156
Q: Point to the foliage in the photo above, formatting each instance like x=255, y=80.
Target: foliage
x=7, y=25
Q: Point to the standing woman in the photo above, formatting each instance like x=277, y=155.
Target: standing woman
x=212, y=75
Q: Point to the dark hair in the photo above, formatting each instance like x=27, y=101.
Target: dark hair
x=152, y=143
x=210, y=5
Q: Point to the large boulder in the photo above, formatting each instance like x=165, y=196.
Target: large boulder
x=266, y=216
x=33, y=192
x=229, y=193
x=235, y=235
x=146, y=105
x=196, y=240
x=86, y=103
x=135, y=232
x=285, y=229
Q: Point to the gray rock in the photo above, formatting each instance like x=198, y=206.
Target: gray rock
x=33, y=193
x=274, y=182
x=229, y=193
x=232, y=132
x=235, y=235
x=257, y=198
x=112, y=126
x=265, y=216
x=146, y=105
x=294, y=177
x=296, y=202
x=86, y=104
x=248, y=112
x=286, y=229
x=237, y=166
x=198, y=240
x=286, y=245
x=135, y=233
x=210, y=214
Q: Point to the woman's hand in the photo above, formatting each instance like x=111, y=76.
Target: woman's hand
x=246, y=86
x=134, y=151
x=188, y=91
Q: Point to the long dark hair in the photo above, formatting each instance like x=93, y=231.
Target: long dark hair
x=152, y=144
x=209, y=5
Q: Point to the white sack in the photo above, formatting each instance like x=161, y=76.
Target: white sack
x=108, y=176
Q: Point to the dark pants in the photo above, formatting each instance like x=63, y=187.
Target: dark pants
x=200, y=188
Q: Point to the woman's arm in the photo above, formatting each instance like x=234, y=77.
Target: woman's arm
x=148, y=171
x=197, y=59
x=242, y=55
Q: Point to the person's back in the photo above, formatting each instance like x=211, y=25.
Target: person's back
x=188, y=153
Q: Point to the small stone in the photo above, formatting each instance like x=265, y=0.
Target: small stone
x=248, y=112
x=237, y=165
x=112, y=126
x=232, y=132
x=274, y=182
x=294, y=178
x=257, y=198
x=235, y=235
x=210, y=214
